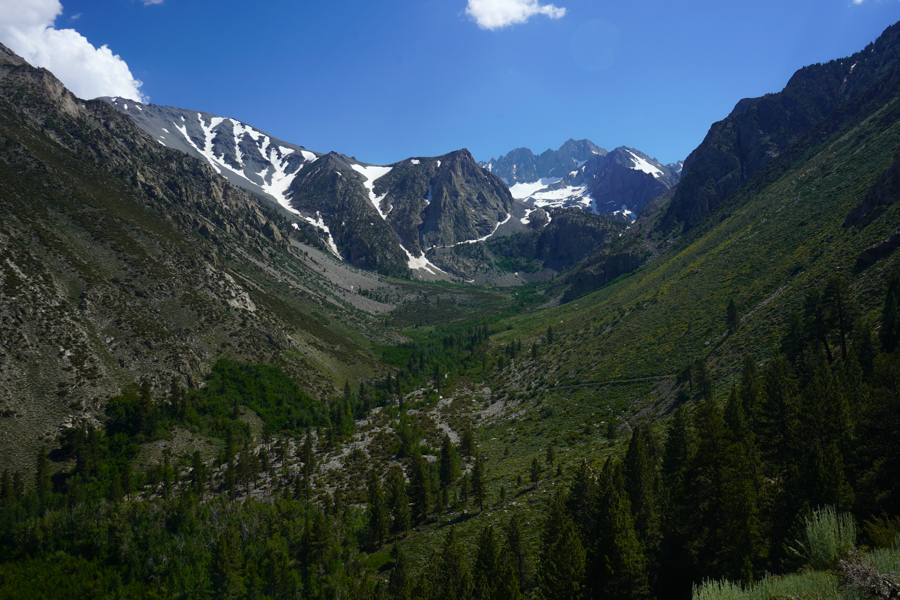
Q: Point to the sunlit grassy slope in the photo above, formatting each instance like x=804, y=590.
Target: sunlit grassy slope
x=779, y=236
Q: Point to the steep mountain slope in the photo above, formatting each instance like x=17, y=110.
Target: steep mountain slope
x=124, y=260
x=582, y=175
x=247, y=157
x=759, y=130
x=780, y=236
x=386, y=218
x=548, y=242
x=380, y=218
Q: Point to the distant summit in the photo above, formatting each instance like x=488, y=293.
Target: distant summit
x=583, y=175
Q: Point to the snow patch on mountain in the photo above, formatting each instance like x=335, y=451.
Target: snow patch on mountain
x=481, y=239
x=420, y=263
x=567, y=196
x=373, y=173
x=319, y=223
x=274, y=179
x=625, y=213
x=525, y=220
x=520, y=191
x=641, y=164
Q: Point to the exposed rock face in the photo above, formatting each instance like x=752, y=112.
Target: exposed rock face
x=467, y=202
x=522, y=165
x=626, y=179
x=759, y=130
x=382, y=218
x=583, y=175
x=331, y=190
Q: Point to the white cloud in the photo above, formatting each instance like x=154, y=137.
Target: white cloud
x=26, y=27
x=496, y=14
x=150, y=2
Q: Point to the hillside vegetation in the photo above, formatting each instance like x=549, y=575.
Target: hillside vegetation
x=720, y=422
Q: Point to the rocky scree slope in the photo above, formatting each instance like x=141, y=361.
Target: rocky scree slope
x=124, y=260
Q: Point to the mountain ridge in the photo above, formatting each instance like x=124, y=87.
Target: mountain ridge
x=580, y=174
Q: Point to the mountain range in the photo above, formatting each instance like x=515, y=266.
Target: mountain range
x=583, y=175
x=176, y=272
x=381, y=218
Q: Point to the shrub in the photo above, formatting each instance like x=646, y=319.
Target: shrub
x=829, y=536
x=819, y=585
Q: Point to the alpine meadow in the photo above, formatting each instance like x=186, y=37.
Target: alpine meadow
x=235, y=367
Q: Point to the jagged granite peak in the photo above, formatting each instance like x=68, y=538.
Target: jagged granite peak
x=617, y=183
x=386, y=217
x=247, y=157
x=522, y=165
x=759, y=130
x=332, y=195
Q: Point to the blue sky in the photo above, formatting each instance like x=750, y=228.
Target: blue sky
x=382, y=81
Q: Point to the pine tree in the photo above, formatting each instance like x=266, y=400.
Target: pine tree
x=227, y=566
x=750, y=389
x=198, y=473
x=486, y=570
x=376, y=510
x=479, y=492
x=793, y=342
x=398, y=501
x=731, y=316
x=399, y=583
x=467, y=443
x=707, y=490
x=839, y=309
x=745, y=547
x=700, y=376
x=562, y=560
x=675, y=576
x=508, y=586
x=880, y=445
x=581, y=499
x=420, y=489
x=815, y=321
x=617, y=565
x=778, y=414
x=450, y=576
x=864, y=346
x=535, y=471
x=822, y=437
x=642, y=483
x=890, y=316
x=516, y=553
x=449, y=464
